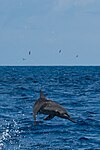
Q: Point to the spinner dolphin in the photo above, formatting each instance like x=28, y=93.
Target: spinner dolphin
x=50, y=108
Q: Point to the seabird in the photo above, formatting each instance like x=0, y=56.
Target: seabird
x=24, y=59
x=77, y=55
x=59, y=51
x=29, y=52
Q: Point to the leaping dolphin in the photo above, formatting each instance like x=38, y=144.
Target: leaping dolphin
x=50, y=108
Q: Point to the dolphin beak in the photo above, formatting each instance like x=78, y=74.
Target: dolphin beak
x=68, y=117
x=72, y=120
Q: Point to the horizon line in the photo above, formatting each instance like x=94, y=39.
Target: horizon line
x=48, y=65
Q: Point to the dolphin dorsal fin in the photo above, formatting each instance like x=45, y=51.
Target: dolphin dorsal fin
x=42, y=95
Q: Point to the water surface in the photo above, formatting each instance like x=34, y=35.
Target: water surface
x=75, y=88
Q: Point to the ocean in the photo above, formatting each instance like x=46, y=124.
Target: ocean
x=76, y=88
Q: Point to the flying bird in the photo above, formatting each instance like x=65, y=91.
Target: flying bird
x=50, y=108
x=29, y=52
x=24, y=59
x=77, y=56
x=59, y=51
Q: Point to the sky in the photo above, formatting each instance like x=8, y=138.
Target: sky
x=45, y=27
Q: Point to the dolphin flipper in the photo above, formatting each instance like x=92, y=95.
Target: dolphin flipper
x=49, y=117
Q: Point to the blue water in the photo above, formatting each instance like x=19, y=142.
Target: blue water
x=76, y=88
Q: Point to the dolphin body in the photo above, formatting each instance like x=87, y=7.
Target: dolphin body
x=50, y=108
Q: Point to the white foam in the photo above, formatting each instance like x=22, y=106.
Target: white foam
x=3, y=137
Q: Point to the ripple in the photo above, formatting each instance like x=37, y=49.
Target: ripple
x=83, y=139
x=75, y=88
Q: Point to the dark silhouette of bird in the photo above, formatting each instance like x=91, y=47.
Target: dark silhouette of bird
x=60, y=51
x=24, y=59
x=77, y=56
x=29, y=52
